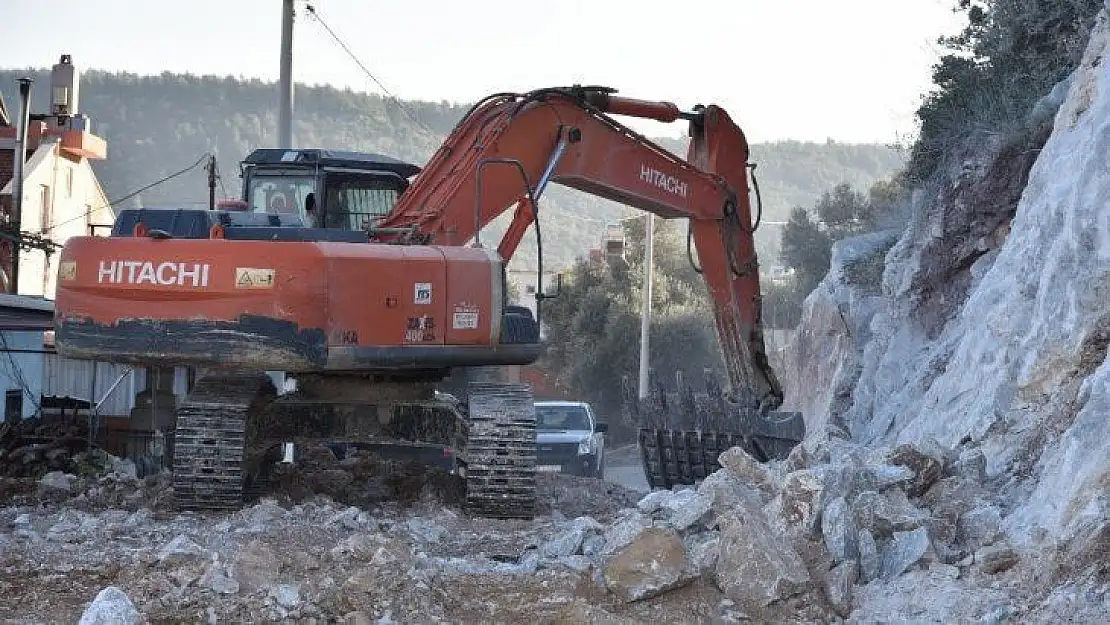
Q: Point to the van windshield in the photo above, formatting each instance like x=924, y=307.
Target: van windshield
x=562, y=418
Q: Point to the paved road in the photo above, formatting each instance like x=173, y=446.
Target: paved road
x=627, y=476
x=623, y=466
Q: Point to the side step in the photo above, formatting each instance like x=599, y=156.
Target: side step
x=683, y=433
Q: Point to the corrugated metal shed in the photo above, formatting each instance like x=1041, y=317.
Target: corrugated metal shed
x=30, y=362
x=63, y=377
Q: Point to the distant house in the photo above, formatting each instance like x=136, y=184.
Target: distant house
x=527, y=281
x=61, y=194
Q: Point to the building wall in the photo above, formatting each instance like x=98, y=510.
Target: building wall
x=22, y=370
x=526, y=281
x=61, y=198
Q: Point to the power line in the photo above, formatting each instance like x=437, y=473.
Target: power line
x=132, y=193
x=312, y=10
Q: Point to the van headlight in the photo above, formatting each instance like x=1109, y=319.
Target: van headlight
x=587, y=446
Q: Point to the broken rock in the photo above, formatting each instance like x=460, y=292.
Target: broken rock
x=688, y=509
x=980, y=526
x=649, y=566
x=181, y=550
x=869, y=560
x=839, y=530
x=56, y=480
x=971, y=465
x=885, y=513
x=217, y=581
x=996, y=558
x=925, y=460
x=797, y=508
x=747, y=469
x=727, y=493
x=111, y=606
x=905, y=550
x=566, y=544
x=838, y=586
x=623, y=532
x=256, y=566
x=881, y=477
x=756, y=566
x=653, y=501
x=701, y=553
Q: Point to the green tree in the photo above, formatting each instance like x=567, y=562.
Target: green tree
x=845, y=211
x=806, y=249
x=1009, y=55
x=594, y=325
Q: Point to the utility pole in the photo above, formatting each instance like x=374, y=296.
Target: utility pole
x=645, y=312
x=211, y=182
x=285, y=112
x=18, y=165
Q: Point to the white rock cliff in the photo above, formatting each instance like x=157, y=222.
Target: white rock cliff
x=1006, y=352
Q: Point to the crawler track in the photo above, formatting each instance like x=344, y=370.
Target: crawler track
x=210, y=440
x=216, y=419
x=501, y=451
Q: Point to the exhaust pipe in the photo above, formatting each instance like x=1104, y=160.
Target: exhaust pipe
x=19, y=162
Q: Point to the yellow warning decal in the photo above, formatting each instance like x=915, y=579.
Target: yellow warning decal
x=251, y=278
x=67, y=270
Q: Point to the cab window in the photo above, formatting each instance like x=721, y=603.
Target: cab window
x=281, y=195
x=357, y=204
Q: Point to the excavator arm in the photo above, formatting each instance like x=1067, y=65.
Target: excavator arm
x=509, y=147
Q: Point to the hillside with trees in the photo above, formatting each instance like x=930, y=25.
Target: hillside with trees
x=992, y=78
x=158, y=125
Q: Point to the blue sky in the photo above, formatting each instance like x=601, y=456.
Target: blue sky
x=852, y=70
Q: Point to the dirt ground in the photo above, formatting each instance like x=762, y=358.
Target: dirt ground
x=355, y=541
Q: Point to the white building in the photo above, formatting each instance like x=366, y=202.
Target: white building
x=61, y=194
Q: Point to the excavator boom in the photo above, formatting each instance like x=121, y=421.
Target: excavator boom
x=509, y=147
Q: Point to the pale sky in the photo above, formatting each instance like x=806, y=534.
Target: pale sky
x=850, y=70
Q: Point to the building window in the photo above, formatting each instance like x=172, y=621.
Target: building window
x=13, y=405
x=69, y=182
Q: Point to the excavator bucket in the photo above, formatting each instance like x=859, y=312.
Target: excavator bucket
x=682, y=433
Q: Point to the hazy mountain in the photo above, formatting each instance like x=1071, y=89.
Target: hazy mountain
x=157, y=125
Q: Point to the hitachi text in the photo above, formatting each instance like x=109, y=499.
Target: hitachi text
x=146, y=272
x=662, y=180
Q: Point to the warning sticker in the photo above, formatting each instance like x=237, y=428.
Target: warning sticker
x=67, y=270
x=465, y=318
x=251, y=278
x=422, y=293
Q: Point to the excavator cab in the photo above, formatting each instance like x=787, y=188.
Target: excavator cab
x=329, y=189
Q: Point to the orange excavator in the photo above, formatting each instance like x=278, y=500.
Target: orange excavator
x=369, y=282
